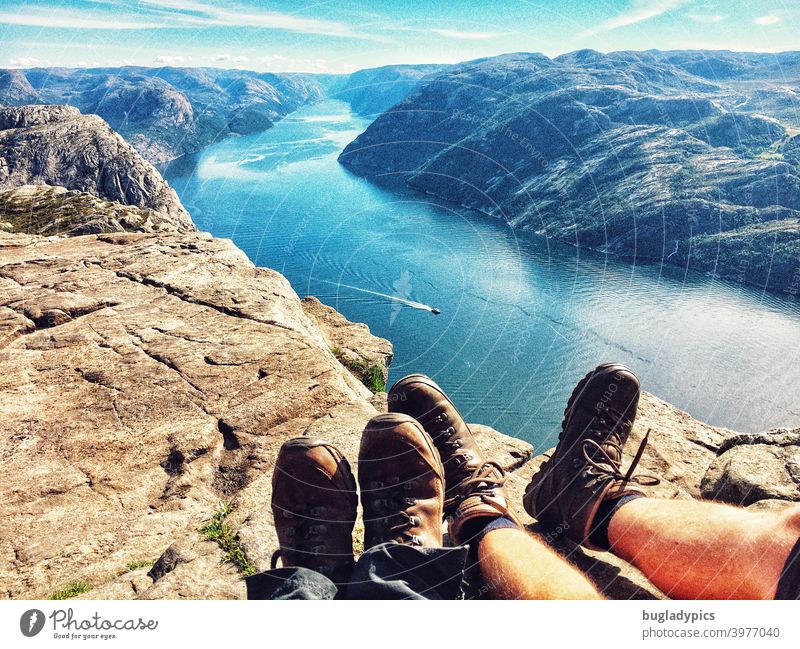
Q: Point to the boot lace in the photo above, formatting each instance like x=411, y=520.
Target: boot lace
x=482, y=482
x=598, y=458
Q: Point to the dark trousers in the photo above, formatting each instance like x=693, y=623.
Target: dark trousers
x=387, y=571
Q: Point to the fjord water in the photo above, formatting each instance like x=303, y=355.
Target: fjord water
x=522, y=318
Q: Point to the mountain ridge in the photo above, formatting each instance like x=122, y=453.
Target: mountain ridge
x=166, y=112
x=622, y=153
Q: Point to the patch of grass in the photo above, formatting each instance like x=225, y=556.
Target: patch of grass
x=771, y=155
x=141, y=563
x=217, y=530
x=374, y=379
x=370, y=375
x=74, y=589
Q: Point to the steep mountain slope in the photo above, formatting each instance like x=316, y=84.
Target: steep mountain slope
x=374, y=90
x=56, y=146
x=627, y=153
x=166, y=112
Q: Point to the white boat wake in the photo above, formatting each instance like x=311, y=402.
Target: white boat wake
x=411, y=303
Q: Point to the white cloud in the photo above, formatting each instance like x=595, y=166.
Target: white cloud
x=706, y=18
x=180, y=5
x=71, y=20
x=24, y=62
x=225, y=58
x=186, y=14
x=172, y=59
x=769, y=19
x=468, y=36
x=639, y=11
x=286, y=22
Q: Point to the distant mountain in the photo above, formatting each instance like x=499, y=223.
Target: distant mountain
x=374, y=90
x=64, y=172
x=686, y=157
x=166, y=112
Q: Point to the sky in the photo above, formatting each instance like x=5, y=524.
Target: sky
x=342, y=36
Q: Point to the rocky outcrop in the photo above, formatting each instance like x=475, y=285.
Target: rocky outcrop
x=753, y=467
x=629, y=153
x=166, y=113
x=42, y=209
x=58, y=146
x=148, y=381
x=366, y=356
x=146, y=378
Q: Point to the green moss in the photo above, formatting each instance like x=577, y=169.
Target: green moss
x=141, y=563
x=370, y=374
x=217, y=530
x=74, y=589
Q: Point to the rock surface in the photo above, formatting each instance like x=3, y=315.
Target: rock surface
x=146, y=378
x=58, y=146
x=47, y=210
x=642, y=154
x=753, y=467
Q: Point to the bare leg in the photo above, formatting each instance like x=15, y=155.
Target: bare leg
x=704, y=550
x=517, y=565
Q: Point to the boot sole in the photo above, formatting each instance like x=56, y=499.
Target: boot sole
x=605, y=368
x=531, y=491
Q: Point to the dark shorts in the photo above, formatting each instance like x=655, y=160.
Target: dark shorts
x=789, y=584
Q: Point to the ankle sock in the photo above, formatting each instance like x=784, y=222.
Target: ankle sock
x=474, y=530
x=599, y=534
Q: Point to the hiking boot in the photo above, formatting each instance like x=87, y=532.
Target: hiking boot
x=402, y=483
x=473, y=485
x=314, y=505
x=584, y=469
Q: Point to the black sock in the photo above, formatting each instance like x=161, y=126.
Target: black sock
x=473, y=531
x=599, y=534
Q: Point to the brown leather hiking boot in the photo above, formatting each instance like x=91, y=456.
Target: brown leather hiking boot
x=402, y=483
x=474, y=486
x=584, y=469
x=314, y=505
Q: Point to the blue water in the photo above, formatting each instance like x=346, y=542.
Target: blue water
x=522, y=318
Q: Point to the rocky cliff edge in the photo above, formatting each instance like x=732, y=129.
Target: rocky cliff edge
x=148, y=381
x=65, y=172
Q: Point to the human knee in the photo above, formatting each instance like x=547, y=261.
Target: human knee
x=790, y=518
